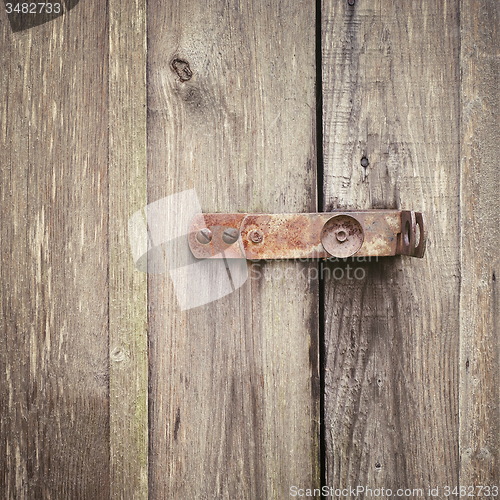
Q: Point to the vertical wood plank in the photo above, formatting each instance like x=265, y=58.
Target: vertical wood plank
x=480, y=240
x=14, y=273
x=234, y=387
x=128, y=286
x=54, y=265
x=390, y=94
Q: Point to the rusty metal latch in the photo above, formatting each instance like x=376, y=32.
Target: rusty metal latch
x=362, y=233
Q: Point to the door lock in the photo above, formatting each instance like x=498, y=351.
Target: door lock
x=361, y=233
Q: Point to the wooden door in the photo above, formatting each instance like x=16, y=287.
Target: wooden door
x=293, y=382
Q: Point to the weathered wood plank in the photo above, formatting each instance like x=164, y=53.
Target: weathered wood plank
x=390, y=94
x=480, y=244
x=234, y=383
x=14, y=273
x=128, y=286
x=54, y=265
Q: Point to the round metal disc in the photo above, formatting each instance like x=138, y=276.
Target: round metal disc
x=342, y=236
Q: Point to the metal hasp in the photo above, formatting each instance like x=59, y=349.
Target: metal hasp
x=362, y=233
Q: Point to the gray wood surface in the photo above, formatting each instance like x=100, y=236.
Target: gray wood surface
x=391, y=94
x=73, y=307
x=411, y=355
x=128, y=363
x=480, y=244
x=54, y=264
x=234, y=388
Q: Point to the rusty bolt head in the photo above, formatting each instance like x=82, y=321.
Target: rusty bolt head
x=256, y=236
x=341, y=235
x=230, y=235
x=204, y=236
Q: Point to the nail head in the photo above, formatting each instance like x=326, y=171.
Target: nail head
x=256, y=236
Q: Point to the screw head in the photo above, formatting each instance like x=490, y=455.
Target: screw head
x=364, y=162
x=256, y=236
x=230, y=235
x=204, y=236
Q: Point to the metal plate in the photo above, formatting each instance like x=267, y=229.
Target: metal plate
x=294, y=236
x=283, y=236
x=217, y=247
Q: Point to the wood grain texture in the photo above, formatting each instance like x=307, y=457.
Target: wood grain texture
x=391, y=94
x=127, y=285
x=54, y=258
x=480, y=244
x=234, y=392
